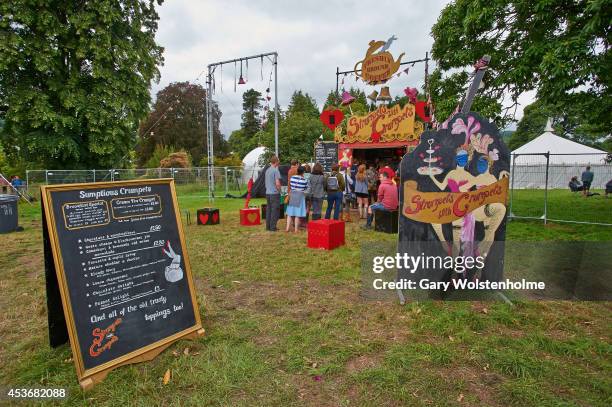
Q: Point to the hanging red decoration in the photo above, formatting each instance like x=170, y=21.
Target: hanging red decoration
x=420, y=111
x=331, y=118
x=375, y=137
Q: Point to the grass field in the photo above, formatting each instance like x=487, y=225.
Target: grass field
x=285, y=326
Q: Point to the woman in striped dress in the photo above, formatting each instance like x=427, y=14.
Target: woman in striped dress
x=296, y=208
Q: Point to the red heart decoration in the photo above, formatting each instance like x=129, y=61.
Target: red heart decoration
x=215, y=217
x=332, y=118
x=420, y=111
x=375, y=136
x=203, y=218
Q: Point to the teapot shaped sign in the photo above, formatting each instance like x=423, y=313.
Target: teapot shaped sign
x=378, y=66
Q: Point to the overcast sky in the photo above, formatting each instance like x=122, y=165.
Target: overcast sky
x=311, y=37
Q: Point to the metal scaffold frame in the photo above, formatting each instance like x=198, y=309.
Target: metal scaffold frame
x=273, y=56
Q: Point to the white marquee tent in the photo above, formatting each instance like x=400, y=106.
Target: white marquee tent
x=567, y=158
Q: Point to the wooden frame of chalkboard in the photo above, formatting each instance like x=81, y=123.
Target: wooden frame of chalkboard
x=57, y=281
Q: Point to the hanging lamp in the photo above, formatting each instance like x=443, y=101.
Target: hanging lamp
x=241, y=80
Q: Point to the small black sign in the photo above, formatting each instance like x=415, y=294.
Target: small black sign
x=116, y=252
x=326, y=153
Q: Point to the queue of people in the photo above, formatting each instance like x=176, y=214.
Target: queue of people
x=361, y=187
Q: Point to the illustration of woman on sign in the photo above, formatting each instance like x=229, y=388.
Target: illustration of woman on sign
x=347, y=159
x=491, y=215
x=459, y=180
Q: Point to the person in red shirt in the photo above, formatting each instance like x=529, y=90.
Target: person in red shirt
x=387, y=198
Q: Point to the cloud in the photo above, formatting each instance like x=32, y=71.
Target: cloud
x=311, y=37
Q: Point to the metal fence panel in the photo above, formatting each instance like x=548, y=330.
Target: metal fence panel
x=228, y=180
x=539, y=187
x=538, y=182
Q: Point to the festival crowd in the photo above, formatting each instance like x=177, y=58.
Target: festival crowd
x=364, y=188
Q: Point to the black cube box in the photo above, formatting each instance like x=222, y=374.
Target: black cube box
x=385, y=221
x=208, y=216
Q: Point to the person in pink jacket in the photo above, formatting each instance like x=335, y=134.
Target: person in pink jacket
x=387, y=198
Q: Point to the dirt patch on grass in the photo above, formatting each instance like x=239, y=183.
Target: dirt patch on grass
x=318, y=391
x=481, y=384
x=363, y=362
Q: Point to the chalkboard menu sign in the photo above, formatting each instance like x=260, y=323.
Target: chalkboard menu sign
x=326, y=153
x=115, y=255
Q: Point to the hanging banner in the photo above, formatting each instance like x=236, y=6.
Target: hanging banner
x=378, y=65
x=385, y=124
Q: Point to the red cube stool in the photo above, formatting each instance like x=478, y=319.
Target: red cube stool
x=325, y=233
x=208, y=216
x=250, y=217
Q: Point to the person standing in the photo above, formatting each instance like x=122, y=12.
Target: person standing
x=292, y=171
x=387, y=198
x=587, y=180
x=316, y=188
x=372, y=178
x=361, y=191
x=273, y=188
x=307, y=195
x=296, y=208
x=348, y=195
x=334, y=185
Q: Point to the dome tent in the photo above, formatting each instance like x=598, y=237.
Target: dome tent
x=250, y=164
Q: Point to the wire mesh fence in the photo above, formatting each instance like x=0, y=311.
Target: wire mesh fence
x=538, y=184
x=227, y=180
x=539, y=188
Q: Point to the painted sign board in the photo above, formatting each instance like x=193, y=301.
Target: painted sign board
x=378, y=65
x=453, y=198
x=383, y=125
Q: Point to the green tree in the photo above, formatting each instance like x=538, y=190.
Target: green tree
x=571, y=122
x=243, y=140
x=560, y=48
x=299, y=128
x=240, y=144
x=231, y=160
x=303, y=103
x=333, y=99
x=178, y=121
x=75, y=77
